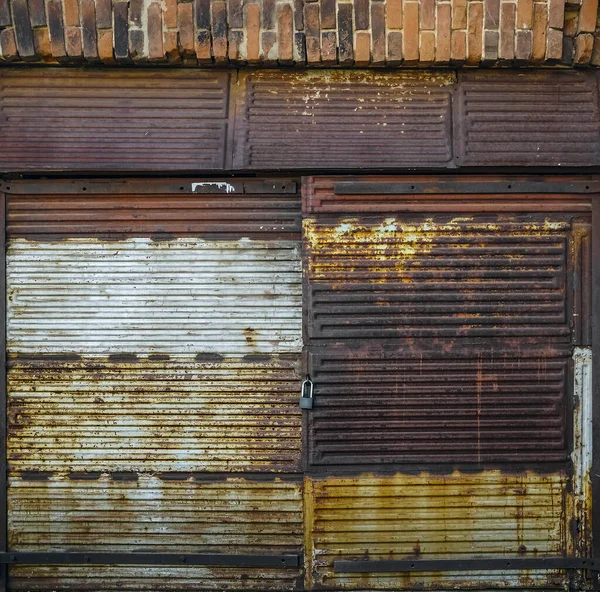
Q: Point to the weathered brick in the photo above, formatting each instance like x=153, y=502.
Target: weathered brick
x=328, y=20
x=443, y=29
x=524, y=46
x=8, y=45
x=427, y=47
x=185, y=24
x=459, y=14
x=394, y=14
x=506, y=51
x=571, y=23
x=567, y=51
x=362, y=49
x=202, y=43
x=73, y=42
x=492, y=14
x=475, y=40
x=299, y=15
x=378, y=33
x=23, y=31
x=329, y=48
x=285, y=34
x=235, y=40
x=56, y=28
x=71, y=12
x=540, y=24
x=361, y=14
x=5, y=19
x=219, y=31
x=235, y=14
x=312, y=28
x=587, y=17
x=171, y=47
x=105, y=46
x=41, y=42
x=37, y=13
x=411, y=33
x=394, y=44
x=584, y=46
x=252, y=10
x=346, y=34
x=556, y=14
x=88, y=29
x=299, y=48
x=170, y=14
x=491, y=42
x=525, y=14
x=554, y=45
x=136, y=44
x=103, y=14
x=268, y=16
x=595, y=60
x=269, y=47
x=156, y=49
x=427, y=14
x=135, y=12
x=202, y=14
x=458, y=47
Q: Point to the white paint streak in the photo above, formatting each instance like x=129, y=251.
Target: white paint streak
x=227, y=187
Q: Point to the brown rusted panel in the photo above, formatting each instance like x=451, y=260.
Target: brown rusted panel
x=379, y=404
x=527, y=119
x=151, y=513
x=339, y=120
x=429, y=516
x=581, y=267
x=217, y=208
x=112, y=120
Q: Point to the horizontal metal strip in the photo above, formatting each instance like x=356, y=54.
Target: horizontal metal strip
x=446, y=565
x=94, y=558
x=465, y=187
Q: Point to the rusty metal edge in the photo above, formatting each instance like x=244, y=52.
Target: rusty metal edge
x=284, y=561
x=3, y=443
x=445, y=565
x=595, y=472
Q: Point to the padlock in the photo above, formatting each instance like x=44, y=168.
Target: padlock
x=306, y=400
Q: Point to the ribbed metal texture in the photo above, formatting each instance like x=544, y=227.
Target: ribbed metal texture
x=145, y=415
x=439, y=276
x=118, y=120
x=546, y=118
x=433, y=516
x=147, y=513
x=138, y=296
x=346, y=120
x=380, y=405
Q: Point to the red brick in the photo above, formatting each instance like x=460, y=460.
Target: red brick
x=362, y=49
x=427, y=14
x=312, y=28
x=427, y=47
x=524, y=46
x=394, y=14
x=203, y=46
x=285, y=34
x=268, y=16
x=492, y=14
x=136, y=45
x=595, y=61
x=554, y=45
x=584, y=45
x=458, y=47
x=361, y=14
x=121, y=30
x=170, y=14
x=201, y=13
x=329, y=48
x=269, y=47
x=235, y=14
x=236, y=38
x=345, y=34
x=8, y=44
x=394, y=45
x=252, y=31
x=411, y=33
x=156, y=49
x=23, y=32
x=103, y=14
x=171, y=47
x=71, y=13
x=378, y=33
x=5, y=18
x=540, y=24
x=459, y=14
x=571, y=23
x=56, y=28
x=443, y=24
x=328, y=20
x=587, y=17
x=219, y=31
x=37, y=13
x=506, y=51
x=73, y=42
x=105, y=46
x=135, y=12
x=475, y=41
x=185, y=24
x=41, y=40
x=490, y=46
x=556, y=14
x=88, y=29
x=525, y=14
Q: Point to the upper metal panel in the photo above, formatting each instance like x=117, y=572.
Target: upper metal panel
x=338, y=119
x=64, y=119
x=526, y=119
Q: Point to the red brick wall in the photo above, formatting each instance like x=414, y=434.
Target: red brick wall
x=296, y=32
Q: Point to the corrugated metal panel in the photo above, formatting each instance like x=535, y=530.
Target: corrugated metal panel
x=434, y=516
x=441, y=276
x=338, y=119
x=546, y=118
x=138, y=296
x=383, y=405
x=144, y=415
x=152, y=514
x=67, y=119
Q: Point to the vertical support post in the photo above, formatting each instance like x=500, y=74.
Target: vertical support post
x=3, y=403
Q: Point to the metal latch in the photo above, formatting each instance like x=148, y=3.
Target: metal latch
x=306, y=398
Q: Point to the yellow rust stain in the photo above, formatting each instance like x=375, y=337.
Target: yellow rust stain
x=427, y=516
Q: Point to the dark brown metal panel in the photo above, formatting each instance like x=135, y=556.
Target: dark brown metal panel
x=381, y=404
x=203, y=208
x=527, y=119
x=340, y=120
x=64, y=119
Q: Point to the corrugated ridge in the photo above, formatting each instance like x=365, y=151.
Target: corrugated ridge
x=135, y=296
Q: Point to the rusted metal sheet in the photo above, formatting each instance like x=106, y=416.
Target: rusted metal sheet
x=340, y=120
x=148, y=513
x=527, y=119
x=127, y=120
x=382, y=405
x=487, y=514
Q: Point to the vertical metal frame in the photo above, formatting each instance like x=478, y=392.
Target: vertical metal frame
x=3, y=403
x=595, y=473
